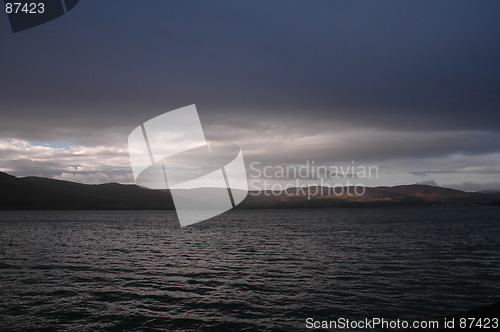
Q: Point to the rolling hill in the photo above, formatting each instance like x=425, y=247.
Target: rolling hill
x=36, y=193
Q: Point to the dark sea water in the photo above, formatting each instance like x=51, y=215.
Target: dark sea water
x=244, y=270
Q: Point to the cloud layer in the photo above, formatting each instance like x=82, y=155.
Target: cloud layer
x=410, y=86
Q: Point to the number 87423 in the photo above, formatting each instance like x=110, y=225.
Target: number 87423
x=27, y=8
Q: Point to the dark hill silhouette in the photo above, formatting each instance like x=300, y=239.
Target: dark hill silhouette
x=403, y=195
x=36, y=193
x=488, y=191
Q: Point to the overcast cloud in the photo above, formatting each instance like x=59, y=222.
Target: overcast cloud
x=411, y=86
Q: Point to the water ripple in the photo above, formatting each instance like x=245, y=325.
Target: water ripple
x=244, y=270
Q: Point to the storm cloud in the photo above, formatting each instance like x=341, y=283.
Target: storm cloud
x=408, y=85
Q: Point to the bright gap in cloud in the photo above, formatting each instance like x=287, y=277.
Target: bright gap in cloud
x=59, y=160
x=56, y=145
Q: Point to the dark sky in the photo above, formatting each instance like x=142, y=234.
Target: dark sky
x=411, y=86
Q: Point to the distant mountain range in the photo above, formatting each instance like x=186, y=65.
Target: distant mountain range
x=488, y=191
x=403, y=195
x=36, y=193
